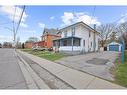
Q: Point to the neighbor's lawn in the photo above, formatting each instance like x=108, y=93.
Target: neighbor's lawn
x=45, y=54
x=121, y=73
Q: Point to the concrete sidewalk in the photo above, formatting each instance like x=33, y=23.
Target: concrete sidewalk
x=76, y=79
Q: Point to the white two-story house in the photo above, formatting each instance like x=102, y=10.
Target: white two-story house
x=78, y=38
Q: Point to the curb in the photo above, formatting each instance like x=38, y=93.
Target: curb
x=32, y=79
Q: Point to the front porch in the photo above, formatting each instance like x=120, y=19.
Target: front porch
x=68, y=44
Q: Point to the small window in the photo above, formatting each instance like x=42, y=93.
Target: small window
x=83, y=42
x=65, y=33
x=89, y=33
x=73, y=31
x=91, y=44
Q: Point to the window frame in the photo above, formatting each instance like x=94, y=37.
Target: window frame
x=65, y=33
x=73, y=31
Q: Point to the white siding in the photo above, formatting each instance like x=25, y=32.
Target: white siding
x=69, y=48
x=83, y=33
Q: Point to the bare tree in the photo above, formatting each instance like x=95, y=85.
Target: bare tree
x=122, y=29
x=105, y=31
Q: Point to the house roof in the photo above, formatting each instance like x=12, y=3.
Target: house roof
x=87, y=26
x=51, y=31
x=114, y=43
x=67, y=38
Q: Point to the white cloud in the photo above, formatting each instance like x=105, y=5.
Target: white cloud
x=10, y=10
x=4, y=38
x=52, y=17
x=23, y=25
x=41, y=25
x=29, y=31
x=121, y=21
x=69, y=18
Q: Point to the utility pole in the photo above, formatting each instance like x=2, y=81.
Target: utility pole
x=15, y=30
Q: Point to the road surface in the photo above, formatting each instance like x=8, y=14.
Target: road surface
x=11, y=76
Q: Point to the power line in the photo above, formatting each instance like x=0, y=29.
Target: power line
x=93, y=14
x=14, y=20
x=20, y=20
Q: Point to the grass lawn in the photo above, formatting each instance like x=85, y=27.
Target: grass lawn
x=45, y=54
x=121, y=72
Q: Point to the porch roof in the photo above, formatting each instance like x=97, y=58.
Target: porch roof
x=66, y=38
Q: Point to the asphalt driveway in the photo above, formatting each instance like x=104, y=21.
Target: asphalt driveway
x=97, y=64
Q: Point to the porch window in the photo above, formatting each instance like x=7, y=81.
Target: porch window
x=76, y=42
x=67, y=42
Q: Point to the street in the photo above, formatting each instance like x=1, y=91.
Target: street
x=20, y=70
x=11, y=76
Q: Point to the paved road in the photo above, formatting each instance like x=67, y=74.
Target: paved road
x=11, y=76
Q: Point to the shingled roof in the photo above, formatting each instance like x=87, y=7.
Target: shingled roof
x=51, y=31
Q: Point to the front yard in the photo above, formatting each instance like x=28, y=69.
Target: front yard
x=45, y=54
x=121, y=72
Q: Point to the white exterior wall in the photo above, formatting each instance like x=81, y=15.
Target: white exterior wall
x=83, y=33
x=85, y=36
x=69, y=48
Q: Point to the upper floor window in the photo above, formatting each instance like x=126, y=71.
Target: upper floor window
x=91, y=44
x=65, y=33
x=83, y=42
x=73, y=31
x=89, y=33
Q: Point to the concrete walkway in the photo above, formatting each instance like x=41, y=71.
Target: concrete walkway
x=76, y=79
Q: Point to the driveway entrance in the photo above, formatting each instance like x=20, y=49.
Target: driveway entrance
x=97, y=64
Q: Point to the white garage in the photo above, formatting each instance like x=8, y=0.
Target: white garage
x=114, y=46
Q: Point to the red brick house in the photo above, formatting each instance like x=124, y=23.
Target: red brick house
x=28, y=45
x=48, y=36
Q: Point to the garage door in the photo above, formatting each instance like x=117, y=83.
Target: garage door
x=113, y=47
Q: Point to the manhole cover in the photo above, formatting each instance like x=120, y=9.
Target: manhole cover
x=98, y=61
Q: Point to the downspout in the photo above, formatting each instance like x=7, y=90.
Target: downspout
x=72, y=43
x=72, y=39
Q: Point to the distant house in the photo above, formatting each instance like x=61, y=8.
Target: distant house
x=77, y=38
x=7, y=45
x=38, y=44
x=28, y=44
x=48, y=36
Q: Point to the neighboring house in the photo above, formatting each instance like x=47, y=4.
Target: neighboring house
x=28, y=44
x=114, y=46
x=48, y=36
x=38, y=44
x=7, y=45
x=79, y=38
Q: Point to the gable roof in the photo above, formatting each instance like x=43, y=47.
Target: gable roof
x=87, y=26
x=51, y=31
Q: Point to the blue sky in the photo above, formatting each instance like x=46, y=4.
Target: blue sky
x=37, y=17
